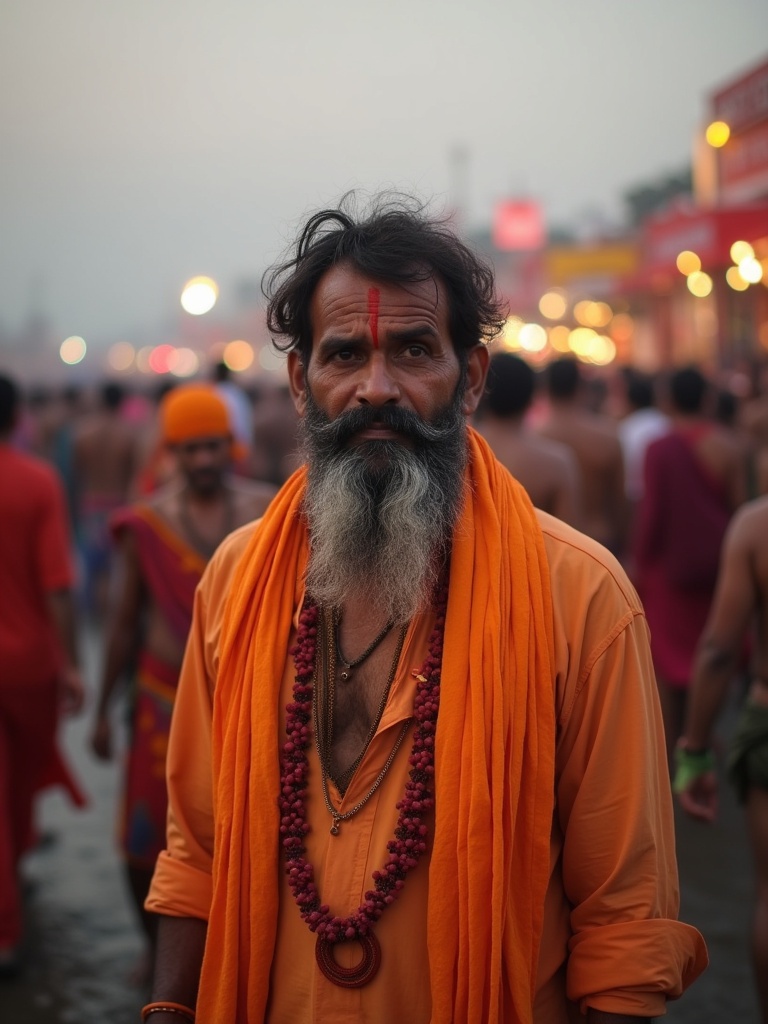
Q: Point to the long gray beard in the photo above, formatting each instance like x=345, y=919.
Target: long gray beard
x=381, y=514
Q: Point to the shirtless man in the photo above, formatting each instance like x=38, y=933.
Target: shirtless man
x=104, y=463
x=741, y=599
x=593, y=439
x=547, y=469
x=164, y=544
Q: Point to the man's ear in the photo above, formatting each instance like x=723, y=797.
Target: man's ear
x=297, y=381
x=478, y=360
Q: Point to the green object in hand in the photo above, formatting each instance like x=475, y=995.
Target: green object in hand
x=690, y=766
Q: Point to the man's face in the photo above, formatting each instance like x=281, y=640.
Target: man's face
x=376, y=345
x=203, y=462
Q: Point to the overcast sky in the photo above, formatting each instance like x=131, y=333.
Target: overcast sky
x=143, y=142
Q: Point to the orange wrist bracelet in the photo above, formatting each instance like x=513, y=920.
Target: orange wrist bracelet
x=163, y=1006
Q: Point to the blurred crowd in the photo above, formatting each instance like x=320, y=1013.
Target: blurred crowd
x=652, y=467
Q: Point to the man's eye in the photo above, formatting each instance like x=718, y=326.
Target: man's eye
x=414, y=351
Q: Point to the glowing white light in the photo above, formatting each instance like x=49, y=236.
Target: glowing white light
x=751, y=269
x=533, y=337
x=72, y=350
x=199, y=295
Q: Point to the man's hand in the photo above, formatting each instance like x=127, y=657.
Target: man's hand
x=699, y=798
x=71, y=691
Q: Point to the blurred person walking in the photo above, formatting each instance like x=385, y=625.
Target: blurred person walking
x=695, y=478
x=40, y=676
x=740, y=601
x=643, y=423
x=547, y=469
x=164, y=543
x=593, y=438
x=105, y=459
x=239, y=408
x=274, y=454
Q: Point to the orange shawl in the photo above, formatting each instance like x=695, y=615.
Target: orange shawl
x=494, y=761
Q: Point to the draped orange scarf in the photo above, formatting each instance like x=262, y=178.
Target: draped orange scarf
x=494, y=761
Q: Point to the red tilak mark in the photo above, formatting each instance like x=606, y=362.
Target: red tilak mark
x=373, y=312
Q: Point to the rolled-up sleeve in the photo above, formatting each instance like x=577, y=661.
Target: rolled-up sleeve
x=628, y=953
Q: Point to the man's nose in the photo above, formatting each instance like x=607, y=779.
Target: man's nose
x=377, y=384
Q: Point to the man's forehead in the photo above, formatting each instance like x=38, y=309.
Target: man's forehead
x=343, y=291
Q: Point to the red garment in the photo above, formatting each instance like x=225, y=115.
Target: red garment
x=682, y=520
x=145, y=804
x=34, y=561
x=170, y=568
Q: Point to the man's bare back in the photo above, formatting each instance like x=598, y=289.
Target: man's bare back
x=594, y=441
x=105, y=451
x=547, y=469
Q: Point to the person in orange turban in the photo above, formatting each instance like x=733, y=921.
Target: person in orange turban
x=193, y=411
x=163, y=545
x=416, y=769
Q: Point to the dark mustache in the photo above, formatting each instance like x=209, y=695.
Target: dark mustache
x=402, y=421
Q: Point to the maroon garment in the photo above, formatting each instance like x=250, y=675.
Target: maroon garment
x=680, y=527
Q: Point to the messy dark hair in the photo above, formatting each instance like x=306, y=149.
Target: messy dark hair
x=395, y=242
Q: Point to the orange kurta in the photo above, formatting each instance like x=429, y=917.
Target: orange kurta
x=610, y=938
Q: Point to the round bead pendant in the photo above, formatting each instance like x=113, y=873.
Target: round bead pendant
x=349, y=977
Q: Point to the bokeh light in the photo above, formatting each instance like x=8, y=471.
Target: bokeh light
x=238, y=355
x=533, y=337
x=592, y=314
x=121, y=356
x=717, y=134
x=510, y=334
x=142, y=359
x=553, y=305
x=735, y=280
x=688, y=262
x=199, y=295
x=580, y=341
x=699, y=284
x=183, y=362
x=602, y=350
x=741, y=251
x=72, y=350
x=622, y=327
x=161, y=358
x=558, y=338
x=751, y=269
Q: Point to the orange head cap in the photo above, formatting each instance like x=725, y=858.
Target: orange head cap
x=193, y=410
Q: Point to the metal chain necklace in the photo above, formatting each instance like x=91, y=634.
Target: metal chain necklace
x=324, y=726
x=346, y=671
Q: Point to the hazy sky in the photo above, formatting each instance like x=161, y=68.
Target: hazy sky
x=143, y=142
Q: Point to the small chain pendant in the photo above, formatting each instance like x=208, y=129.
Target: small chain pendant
x=345, y=673
x=335, y=827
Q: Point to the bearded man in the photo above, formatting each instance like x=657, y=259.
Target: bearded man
x=416, y=768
